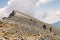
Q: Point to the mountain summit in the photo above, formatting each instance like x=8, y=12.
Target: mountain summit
x=19, y=26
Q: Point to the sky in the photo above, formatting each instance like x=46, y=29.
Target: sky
x=51, y=6
x=3, y=3
x=45, y=10
x=57, y=24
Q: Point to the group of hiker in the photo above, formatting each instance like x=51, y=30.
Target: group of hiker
x=44, y=27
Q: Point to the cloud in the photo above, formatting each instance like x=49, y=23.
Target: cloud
x=39, y=2
x=51, y=16
x=26, y=6
x=30, y=7
x=3, y=13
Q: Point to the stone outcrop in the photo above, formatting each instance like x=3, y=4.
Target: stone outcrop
x=22, y=27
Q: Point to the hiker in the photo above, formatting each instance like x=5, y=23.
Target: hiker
x=4, y=18
x=44, y=27
x=12, y=14
x=50, y=29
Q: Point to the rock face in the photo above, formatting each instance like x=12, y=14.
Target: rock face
x=24, y=27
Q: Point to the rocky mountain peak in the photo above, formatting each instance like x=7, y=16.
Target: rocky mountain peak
x=19, y=26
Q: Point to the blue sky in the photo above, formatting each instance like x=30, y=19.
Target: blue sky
x=3, y=3
x=51, y=5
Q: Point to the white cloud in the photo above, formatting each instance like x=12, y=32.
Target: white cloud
x=51, y=16
x=39, y=2
x=30, y=7
x=27, y=6
x=3, y=13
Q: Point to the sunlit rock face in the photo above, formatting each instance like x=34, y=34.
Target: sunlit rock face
x=19, y=26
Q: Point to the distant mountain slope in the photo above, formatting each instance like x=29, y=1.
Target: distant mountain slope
x=19, y=26
x=57, y=24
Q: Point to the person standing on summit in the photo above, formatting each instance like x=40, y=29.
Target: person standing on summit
x=50, y=29
x=12, y=14
x=44, y=27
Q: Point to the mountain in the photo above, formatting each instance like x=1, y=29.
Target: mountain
x=19, y=26
x=57, y=24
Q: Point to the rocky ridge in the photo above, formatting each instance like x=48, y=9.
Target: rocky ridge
x=19, y=26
